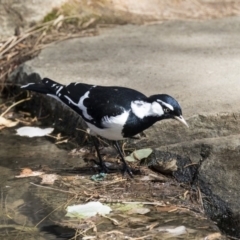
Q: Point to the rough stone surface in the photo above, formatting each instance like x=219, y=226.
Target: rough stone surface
x=213, y=142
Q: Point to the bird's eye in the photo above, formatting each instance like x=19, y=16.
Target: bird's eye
x=166, y=110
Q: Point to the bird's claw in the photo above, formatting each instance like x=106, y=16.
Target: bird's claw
x=102, y=165
x=126, y=169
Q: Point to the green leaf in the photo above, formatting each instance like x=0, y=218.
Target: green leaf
x=138, y=155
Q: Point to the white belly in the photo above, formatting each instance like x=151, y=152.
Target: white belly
x=108, y=133
x=113, y=127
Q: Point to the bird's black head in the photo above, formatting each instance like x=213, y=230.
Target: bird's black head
x=168, y=107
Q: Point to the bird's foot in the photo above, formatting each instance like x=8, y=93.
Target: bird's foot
x=102, y=166
x=127, y=170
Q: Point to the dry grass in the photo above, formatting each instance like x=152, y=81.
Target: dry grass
x=18, y=49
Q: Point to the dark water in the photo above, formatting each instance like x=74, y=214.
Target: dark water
x=24, y=207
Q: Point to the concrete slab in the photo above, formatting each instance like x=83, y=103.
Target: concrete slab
x=196, y=62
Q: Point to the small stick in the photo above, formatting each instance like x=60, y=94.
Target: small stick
x=13, y=105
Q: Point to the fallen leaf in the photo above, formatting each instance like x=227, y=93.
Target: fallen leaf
x=174, y=231
x=213, y=236
x=140, y=210
x=34, y=131
x=89, y=209
x=168, y=208
x=152, y=225
x=49, y=178
x=7, y=123
x=154, y=177
x=138, y=220
x=17, y=203
x=139, y=154
x=27, y=172
x=131, y=208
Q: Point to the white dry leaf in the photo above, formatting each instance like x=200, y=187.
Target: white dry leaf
x=7, y=123
x=34, y=131
x=89, y=209
x=139, y=210
x=174, y=231
x=49, y=178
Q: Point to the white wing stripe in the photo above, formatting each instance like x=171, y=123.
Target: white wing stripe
x=80, y=105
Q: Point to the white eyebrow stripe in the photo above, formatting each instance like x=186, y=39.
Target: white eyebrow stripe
x=166, y=104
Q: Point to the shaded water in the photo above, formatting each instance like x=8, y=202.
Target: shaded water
x=21, y=209
x=28, y=211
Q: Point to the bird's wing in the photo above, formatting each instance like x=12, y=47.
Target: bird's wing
x=96, y=104
x=109, y=102
x=99, y=105
x=70, y=94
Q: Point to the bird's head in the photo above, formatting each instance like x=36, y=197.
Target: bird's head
x=167, y=107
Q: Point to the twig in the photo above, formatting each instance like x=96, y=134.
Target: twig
x=9, y=41
x=114, y=221
x=18, y=41
x=53, y=212
x=55, y=189
x=13, y=105
x=190, y=164
x=45, y=24
x=147, y=203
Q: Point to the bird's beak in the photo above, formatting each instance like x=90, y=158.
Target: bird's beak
x=182, y=120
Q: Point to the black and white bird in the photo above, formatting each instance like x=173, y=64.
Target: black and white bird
x=112, y=112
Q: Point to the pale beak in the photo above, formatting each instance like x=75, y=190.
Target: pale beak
x=182, y=120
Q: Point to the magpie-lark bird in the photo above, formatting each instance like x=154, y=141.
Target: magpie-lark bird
x=112, y=112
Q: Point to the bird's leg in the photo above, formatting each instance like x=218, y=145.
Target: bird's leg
x=101, y=162
x=126, y=168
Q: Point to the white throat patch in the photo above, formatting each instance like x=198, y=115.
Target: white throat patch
x=144, y=109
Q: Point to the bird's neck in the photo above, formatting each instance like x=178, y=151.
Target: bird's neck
x=135, y=125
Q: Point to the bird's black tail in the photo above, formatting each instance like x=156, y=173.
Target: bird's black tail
x=62, y=93
x=47, y=86
x=36, y=87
